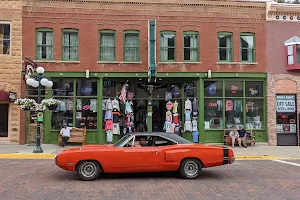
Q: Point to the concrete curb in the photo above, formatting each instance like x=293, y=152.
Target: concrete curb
x=51, y=156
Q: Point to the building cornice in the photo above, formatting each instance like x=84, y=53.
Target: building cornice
x=282, y=12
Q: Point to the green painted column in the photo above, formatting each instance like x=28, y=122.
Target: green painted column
x=149, y=116
x=200, y=94
x=100, y=138
x=47, y=119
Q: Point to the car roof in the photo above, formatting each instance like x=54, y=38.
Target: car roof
x=171, y=136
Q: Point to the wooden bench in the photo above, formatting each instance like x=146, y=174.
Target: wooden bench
x=77, y=136
x=250, y=138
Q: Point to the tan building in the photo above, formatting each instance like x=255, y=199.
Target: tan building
x=283, y=64
x=10, y=69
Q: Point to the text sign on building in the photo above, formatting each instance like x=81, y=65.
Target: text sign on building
x=285, y=103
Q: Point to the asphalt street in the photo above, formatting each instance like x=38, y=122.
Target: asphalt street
x=41, y=179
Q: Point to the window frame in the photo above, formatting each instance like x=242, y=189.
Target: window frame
x=231, y=41
x=37, y=45
x=10, y=36
x=167, y=32
x=99, y=47
x=138, y=47
x=69, y=30
x=198, y=39
x=254, y=47
x=244, y=98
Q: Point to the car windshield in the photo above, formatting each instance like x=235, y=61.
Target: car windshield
x=118, y=143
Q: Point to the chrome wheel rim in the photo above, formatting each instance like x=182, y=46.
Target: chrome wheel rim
x=191, y=168
x=88, y=169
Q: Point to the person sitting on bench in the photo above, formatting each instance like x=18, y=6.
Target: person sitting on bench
x=65, y=134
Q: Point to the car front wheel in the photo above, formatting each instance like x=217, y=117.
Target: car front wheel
x=88, y=170
x=190, y=168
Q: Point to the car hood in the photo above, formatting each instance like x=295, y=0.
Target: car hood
x=88, y=147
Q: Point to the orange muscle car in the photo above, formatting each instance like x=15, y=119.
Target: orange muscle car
x=144, y=152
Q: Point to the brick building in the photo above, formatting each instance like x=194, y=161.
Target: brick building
x=283, y=64
x=10, y=68
x=212, y=53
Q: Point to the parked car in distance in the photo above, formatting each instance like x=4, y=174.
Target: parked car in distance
x=144, y=152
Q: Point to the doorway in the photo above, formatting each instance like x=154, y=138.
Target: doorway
x=4, y=120
x=158, y=116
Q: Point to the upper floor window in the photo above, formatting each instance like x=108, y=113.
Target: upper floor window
x=44, y=44
x=247, y=47
x=292, y=50
x=131, y=46
x=191, y=46
x=225, y=47
x=5, y=38
x=167, y=46
x=70, y=44
x=108, y=45
x=298, y=53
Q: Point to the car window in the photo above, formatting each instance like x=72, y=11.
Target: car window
x=118, y=143
x=159, y=141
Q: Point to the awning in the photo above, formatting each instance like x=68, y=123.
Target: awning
x=4, y=96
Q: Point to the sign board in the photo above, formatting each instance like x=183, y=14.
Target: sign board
x=285, y=103
x=12, y=96
x=40, y=117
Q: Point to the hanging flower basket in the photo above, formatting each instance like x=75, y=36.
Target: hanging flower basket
x=26, y=104
x=50, y=103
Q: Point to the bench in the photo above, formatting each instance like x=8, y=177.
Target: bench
x=250, y=138
x=76, y=136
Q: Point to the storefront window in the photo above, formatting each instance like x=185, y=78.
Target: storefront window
x=213, y=88
x=254, y=113
x=159, y=90
x=213, y=118
x=63, y=114
x=86, y=113
x=233, y=88
x=190, y=89
x=234, y=113
x=63, y=87
x=109, y=88
x=254, y=89
x=86, y=87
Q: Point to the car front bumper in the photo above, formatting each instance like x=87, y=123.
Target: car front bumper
x=232, y=159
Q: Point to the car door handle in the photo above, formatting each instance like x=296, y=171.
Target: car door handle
x=156, y=152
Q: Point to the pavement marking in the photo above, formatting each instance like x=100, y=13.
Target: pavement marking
x=286, y=162
x=27, y=156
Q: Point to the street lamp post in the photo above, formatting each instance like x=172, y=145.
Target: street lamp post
x=37, y=81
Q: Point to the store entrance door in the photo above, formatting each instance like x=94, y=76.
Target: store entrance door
x=4, y=120
x=286, y=120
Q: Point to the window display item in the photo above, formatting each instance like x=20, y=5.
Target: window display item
x=93, y=105
x=220, y=105
x=168, y=96
x=188, y=126
x=130, y=95
x=79, y=104
x=128, y=108
x=237, y=120
x=188, y=105
x=177, y=129
x=69, y=104
x=238, y=106
x=109, y=104
x=229, y=105
x=169, y=105
x=172, y=128
x=115, y=105
x=167, y=126
x=104, y=104
x=195, y=135
x=116, y=129
x=62, y=107
x=108, y=115
x=195, y=125
x=195, y=106
x=108, y=125
x=175, y=107
x=175, y=118
x=109, y=136
x=168, y=116
x=116, y=117
x=187, y=115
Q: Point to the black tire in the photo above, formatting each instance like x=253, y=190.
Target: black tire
x=190, y=168
x=88, y=170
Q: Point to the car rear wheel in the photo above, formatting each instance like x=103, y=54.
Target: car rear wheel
x=88, y=170
x=190, y=168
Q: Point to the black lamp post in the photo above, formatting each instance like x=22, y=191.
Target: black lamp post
x=37, y=81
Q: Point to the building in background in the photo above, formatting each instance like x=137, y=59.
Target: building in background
x=212, y=53
x=283, y=64
x=10, y=69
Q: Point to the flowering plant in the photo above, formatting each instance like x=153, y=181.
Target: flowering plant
x=26, y=104
x=51, y=102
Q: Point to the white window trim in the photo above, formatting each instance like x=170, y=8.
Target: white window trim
x=10, y=37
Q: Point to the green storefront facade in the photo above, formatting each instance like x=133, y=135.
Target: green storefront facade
x=224, y=99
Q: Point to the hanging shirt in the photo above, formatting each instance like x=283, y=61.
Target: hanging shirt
x=195, y=135
x=188, y=126
x=238, y=106
x=108, y=115
x=104, y=104
x=187, y=115
x=116, y=117
x=168, y=126
x=79, y=104
x=219, y=102
x=195, y=106
x=108, y=125
x=169, y=105
x=175, y=106
x=69, y=104
x=175, y=118
x=63, y=106
x=93, y=105
x=195, y=125
x=108, y=104
x=109, y=136
x=115, y=105
x=188, y=105
x=168, y=116
x=116, y=129
x=128, y=108
x=229, y=105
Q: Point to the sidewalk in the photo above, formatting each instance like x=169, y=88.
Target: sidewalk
x=259, y=152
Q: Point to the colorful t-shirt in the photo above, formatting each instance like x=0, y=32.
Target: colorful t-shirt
x=169, y=105
x=175, y=106
x=229, y=105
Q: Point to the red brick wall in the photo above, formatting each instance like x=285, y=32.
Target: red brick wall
x=278, y=33
x=90, y=18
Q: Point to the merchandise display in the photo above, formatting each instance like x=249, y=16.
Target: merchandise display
x=172, y=124
x=191, y=116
